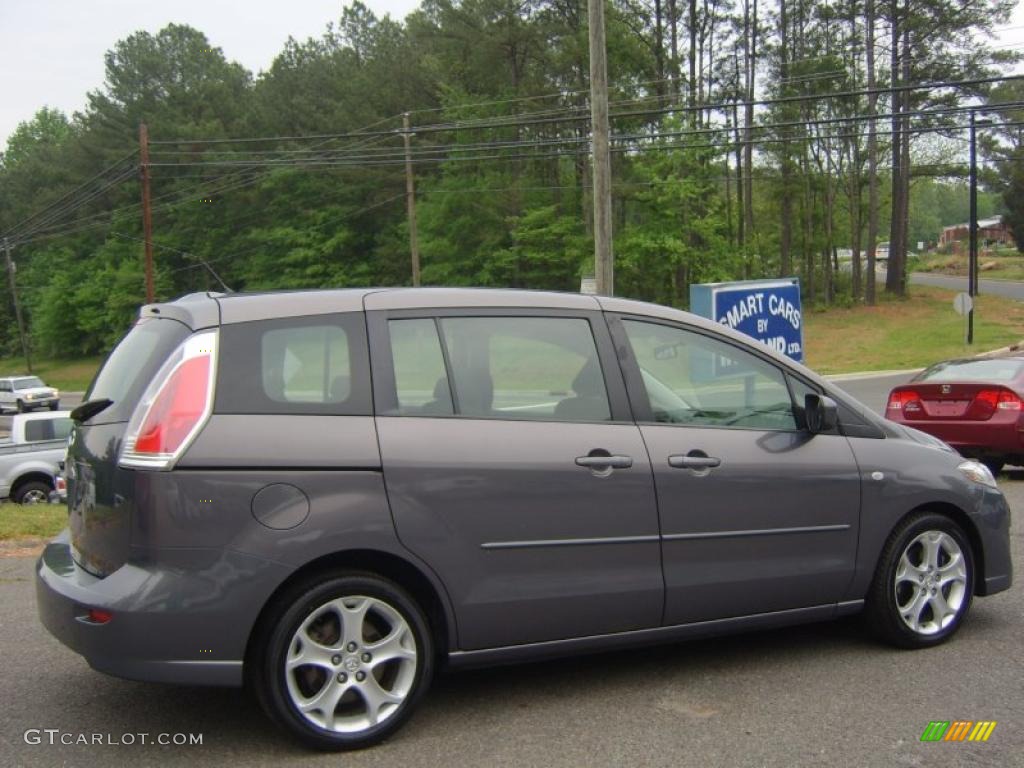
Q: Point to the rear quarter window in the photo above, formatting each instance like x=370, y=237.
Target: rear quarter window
x=306, y=365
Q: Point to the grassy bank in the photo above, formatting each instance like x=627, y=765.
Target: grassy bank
x=66, y=375
x=998, y=265
x=31, y=520
x=909, y=333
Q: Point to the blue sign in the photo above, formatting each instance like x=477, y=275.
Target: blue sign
x=767, y=310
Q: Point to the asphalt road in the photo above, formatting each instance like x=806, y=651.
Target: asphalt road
x=1012, y=289
x=820, y=695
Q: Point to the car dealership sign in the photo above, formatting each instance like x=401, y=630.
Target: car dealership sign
x=767, y=310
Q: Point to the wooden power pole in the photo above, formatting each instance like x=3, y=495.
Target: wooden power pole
x=17, y=306
x=147, y=213
x=603, y=264
x=410, y=202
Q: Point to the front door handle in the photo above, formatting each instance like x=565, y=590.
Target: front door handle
x=694, y=460
x=604, y=462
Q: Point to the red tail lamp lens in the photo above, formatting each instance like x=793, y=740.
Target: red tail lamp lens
x=177, y=409
x=905, y=400
x=99, y=616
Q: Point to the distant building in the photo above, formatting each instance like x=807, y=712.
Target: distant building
x=991, y=231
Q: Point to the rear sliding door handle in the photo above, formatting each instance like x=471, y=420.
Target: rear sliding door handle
x=605, y=462
x=694, y=460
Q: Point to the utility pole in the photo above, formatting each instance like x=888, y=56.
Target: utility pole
x=410, y=202
x=603, y=264
x=972, y=253
x=147, y=213
x=17, y=306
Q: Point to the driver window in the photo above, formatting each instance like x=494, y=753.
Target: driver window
x=694, y=379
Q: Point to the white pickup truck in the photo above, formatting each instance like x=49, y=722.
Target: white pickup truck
x=31, y=458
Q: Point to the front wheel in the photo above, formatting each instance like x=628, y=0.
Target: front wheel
x=54, y=406
x=21, y=407
x=344, y=661
x=923, y=582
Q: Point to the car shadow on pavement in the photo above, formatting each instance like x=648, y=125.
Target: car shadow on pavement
x=232, y=721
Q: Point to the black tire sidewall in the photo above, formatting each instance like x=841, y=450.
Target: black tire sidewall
x=886, y=613
x=270, y=683
x=19, y=493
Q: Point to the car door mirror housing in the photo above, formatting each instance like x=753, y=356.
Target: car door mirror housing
x=821, y=414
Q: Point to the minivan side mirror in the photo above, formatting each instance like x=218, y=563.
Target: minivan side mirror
x=821, y=414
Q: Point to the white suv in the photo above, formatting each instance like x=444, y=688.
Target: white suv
x=23, y=393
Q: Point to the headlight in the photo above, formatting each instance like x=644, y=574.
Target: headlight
x=30, y=396
x=56, y=393
x=977, y=472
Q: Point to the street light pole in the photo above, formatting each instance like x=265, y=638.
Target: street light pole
x=972, y=252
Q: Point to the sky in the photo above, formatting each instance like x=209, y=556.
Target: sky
x=52, y=50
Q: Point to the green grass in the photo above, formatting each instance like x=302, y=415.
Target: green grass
x=909, y=333
x=66, y=375
x=31, y=521
x=996, y=265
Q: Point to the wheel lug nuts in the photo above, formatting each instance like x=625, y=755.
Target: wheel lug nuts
x=335, y=660
x=351, y=647
x=360, y=676
x=342, y=677
x=367, y=658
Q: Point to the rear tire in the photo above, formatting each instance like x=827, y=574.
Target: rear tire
x=995, y=466
x=923, y=582
x=34, y=492
x=342, y=660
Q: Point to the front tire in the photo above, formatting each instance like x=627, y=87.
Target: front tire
x=344, y=659
x=923, y=583
x=54, y=406
x=21, y=407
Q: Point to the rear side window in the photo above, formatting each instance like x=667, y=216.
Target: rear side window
x=131, y=365
x=305, y=365
x=421, y=381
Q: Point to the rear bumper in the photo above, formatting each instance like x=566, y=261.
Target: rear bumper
x=978, y=439
x=169, y=624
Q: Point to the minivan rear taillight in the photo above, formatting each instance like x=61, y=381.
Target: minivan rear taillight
x=175, y=407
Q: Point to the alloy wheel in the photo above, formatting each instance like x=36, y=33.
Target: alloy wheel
x=351, y=664
x=930, y=584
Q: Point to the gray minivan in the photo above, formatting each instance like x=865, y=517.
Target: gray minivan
x=328, y=494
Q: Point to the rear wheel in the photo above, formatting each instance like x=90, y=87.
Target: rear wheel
x=923, y=582
x=34, y=492
x=344, y=660
x=995, y=466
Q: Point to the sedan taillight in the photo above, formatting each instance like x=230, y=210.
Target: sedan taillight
x=988, y=401
x=905, y=400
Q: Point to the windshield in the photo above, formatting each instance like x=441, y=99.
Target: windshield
x=28, y=382
x=974, y=370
